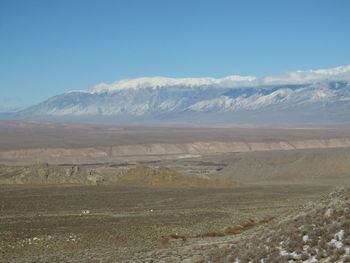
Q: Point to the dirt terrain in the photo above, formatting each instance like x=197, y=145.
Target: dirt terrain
x=293, y=166
x=108, y=193
x=126, y=224
x=148, y=177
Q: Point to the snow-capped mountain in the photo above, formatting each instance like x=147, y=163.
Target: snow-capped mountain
x=314, y=95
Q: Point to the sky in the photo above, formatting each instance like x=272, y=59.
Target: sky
x=48, y=47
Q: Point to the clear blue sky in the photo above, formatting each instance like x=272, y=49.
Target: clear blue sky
x=48, y=47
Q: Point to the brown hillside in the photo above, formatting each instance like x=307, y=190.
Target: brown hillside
x=145, y=176
x=292, y=165
x=47, y=174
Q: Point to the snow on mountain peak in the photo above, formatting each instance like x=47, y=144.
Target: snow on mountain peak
x=294, y=77
x=158, y=82
x=300, y=95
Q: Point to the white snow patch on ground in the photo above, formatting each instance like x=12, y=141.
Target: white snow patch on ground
x=337, y=244
x=283, y=252
x=347, y=250
x=337, y=239
x=340, y=234
x=305, y=238
x=311, y=260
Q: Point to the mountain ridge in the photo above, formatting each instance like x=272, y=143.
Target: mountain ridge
x=299, y=96
x=295, y=77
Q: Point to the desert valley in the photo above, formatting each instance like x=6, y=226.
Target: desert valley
x=174, y=131
x=75, y=192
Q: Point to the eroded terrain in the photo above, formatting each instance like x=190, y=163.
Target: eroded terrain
x=26, y=142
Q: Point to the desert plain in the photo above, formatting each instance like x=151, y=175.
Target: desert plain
x=73, y=192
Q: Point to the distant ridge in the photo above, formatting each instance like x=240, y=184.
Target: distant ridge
x=313, y=96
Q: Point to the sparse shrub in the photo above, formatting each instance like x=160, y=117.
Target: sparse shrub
x=273, y=256
x=338, y=213
x=283, y=260
x=304, y=256
x=334, y=227
x=249, y=225
x=346, y=226
x=231, y=258
x=322, y=244
x=178, y=237
x=330, y=247
x=289, y=257
x=312, y=252
x=278, y=259
x=346, y=259
x=317, y=232
x=211, y=234
x=232, y=231
x=275, y=239
x=313, y=242
x=308, y=219
x=266, y=220
x=164, y=243
x=334, y=258
x=293, y=245
x=328, y=236
x=320, y=255
x=346, y=241
x=298, y=250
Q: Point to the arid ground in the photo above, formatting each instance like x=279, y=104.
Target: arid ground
x=49, y=223
x=104, y=193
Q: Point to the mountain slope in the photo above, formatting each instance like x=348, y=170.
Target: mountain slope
x=301, y=96
x=319, y=232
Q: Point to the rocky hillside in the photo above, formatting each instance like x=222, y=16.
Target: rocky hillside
x=46, y=174
x=318, y=233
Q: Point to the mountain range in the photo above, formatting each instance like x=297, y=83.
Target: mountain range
x=313, y=96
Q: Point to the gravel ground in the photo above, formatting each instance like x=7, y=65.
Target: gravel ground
x=126, y=224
